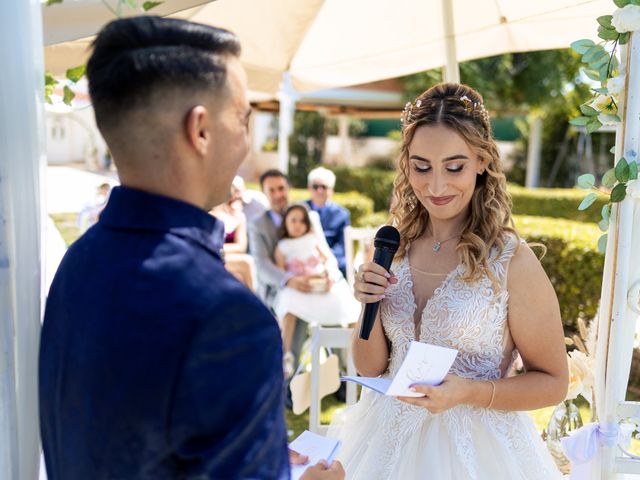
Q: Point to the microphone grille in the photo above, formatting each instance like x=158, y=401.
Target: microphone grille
x=387, y=237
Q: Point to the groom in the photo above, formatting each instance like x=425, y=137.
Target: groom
x=155, y=362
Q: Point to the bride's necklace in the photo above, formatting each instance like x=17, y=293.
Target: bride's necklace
x=437, y=245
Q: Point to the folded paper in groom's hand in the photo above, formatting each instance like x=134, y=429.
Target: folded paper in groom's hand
x=424, y=364
x=316, y=447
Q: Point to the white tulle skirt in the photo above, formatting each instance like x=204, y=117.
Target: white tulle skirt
x=335, y=307
x=385, y=439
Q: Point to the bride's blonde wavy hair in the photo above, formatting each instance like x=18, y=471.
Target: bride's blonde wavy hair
x=460, y=108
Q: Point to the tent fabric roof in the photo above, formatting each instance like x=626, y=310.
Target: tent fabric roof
x=335, y=43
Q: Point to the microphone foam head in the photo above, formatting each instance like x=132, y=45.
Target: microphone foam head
x=387, y=237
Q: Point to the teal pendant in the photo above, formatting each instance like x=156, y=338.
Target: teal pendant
x=436, y=247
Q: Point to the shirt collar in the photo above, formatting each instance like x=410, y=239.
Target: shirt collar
x=132, y=209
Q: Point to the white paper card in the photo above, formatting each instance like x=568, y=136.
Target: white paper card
x=426, y=364
x=316, y=447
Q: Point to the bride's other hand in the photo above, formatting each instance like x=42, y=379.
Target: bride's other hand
x=451, y=392
x=370, y=282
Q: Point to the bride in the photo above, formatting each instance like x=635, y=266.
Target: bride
x=462, y=278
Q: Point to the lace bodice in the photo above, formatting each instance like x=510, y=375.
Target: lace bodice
x=468, y=316
x=472, y=318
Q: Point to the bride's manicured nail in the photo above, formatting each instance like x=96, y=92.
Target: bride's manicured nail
x=411, y=389
x=387, y=274
x=380, y=297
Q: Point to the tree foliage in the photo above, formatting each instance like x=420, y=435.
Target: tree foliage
x=512, y=82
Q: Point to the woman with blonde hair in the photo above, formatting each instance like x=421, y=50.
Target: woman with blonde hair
x=463, y=279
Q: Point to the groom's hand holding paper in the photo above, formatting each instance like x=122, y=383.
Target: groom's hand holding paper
x=424, y=364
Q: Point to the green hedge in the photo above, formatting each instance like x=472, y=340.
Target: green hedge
x=360, y=206
x=572, y=263
x=377, y=184
x=554, y=202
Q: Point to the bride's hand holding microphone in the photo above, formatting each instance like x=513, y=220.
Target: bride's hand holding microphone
x=370, y=283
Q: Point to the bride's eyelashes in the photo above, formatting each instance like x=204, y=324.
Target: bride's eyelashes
x=451, y=169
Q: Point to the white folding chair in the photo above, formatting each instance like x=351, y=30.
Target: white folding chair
x=356, y=242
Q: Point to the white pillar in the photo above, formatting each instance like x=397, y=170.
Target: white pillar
x=451, y=68
x=287, y=98
x=345, y=142
x=21, y=166
x=533, y=154
x=622, y=270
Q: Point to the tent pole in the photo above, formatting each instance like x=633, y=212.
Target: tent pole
x=22, y=162
x=287, y=97
x=625, y=271
x=451, y=68
x=534, y=152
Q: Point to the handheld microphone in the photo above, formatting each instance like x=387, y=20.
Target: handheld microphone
x=386, y=243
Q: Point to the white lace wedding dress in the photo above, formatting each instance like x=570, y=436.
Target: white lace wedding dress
x=384, y=438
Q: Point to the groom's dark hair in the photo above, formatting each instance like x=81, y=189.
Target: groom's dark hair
x=135, y=59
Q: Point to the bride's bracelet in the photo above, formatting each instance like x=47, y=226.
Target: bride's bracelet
x=493, y=393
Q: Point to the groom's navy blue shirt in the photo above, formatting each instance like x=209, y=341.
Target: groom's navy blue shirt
x=155, y=363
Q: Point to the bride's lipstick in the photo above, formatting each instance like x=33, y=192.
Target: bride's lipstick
x=441, y=200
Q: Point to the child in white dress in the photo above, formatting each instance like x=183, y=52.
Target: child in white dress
x=329, y=302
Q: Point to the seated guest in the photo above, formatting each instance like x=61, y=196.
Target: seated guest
x=264, y=236
x=254, y=203
x=333, y=217
x=236, y=259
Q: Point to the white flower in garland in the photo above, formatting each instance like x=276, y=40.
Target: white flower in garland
x=605, y=119
x=603, y=103
x=615, y=85
x=626, y=19
x=633, y=188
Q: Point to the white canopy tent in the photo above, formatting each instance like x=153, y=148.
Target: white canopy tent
x=292, y=46
x=332, y=43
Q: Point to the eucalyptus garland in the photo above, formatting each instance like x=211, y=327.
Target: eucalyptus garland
x=602, y=66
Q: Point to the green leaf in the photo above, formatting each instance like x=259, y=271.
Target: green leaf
x=586, y=181
x=146, y=6
x=53, y=2
x=580, y=121
x=76, y=73
x=622, y=170
x=604, y=72
x=588, y=201
x=599, y=62
x=593, y=53
x=635, y=2
x=633, y=170
x=609, y=178
x=606, y=34
x=602, y=243
x=601, y=90
x=49, y=79
x=605, y=21
x=606, y=212
x=621, y=3
x=593, y=125
x=618, y=193
x=588, y=111
x=603, y=225
x=593, y=75
x=68, y=95
x=624, y=38
x=581, y=46
x=130, y=3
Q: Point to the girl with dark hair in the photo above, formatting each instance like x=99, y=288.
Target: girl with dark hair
x=329, y=303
